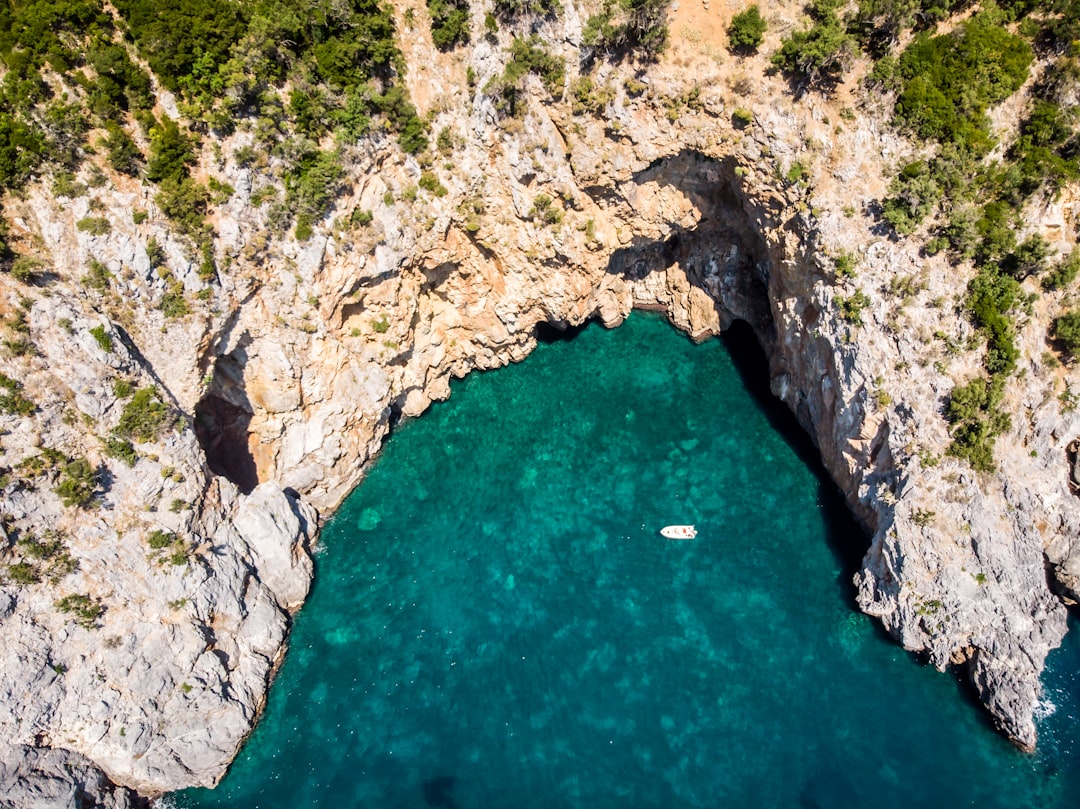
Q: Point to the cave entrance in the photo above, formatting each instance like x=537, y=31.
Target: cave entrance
x=222, y=430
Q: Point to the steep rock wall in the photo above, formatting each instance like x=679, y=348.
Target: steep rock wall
x=298, y=360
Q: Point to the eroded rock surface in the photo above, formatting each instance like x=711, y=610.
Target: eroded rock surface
x=290, y=368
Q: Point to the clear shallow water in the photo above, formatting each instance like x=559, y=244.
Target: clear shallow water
x=496, y=622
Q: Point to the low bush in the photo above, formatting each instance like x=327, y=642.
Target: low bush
x=78, y=481
x=144, y=417
x=747, y=30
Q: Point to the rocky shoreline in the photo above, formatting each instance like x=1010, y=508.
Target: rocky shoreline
x=286, y=377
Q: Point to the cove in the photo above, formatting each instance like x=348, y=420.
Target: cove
x=497, y=623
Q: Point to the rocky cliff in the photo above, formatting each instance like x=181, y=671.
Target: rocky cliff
x=282, y=380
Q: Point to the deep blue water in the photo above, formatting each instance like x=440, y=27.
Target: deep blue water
x=497, y=623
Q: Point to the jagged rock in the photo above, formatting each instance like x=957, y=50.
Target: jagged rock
x=295, y=364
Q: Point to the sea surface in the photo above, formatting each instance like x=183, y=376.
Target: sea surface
x=496, y=622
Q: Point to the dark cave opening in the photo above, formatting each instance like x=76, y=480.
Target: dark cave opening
x=222, y=430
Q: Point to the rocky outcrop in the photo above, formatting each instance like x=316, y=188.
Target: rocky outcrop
x=294, y=361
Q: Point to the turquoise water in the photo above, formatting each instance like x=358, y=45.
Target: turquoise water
x=497, y=623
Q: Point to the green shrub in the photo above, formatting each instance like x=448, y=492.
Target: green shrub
x=510, y=9
x=144, y=417
x=623, y=26
x=121, y=449
x=991, y=298
x=850, y=308
x=1066, y=330
x=545, y=210
x=912, y=196
x=526, y=56
x=1064, y=273
x=94, y=225
x=78, y=482
x=949, y=81
x=184, y=202
x=97, y=275
x=430, y=183
x=103, y=337
x=85, y=609
x=817, y=56
x=159, y=540
x=747, y=30
x=173, y=303
x=975, y=419
x=23, y=573
x=26, y=268
x=172, y=152
x=124, y=155
x=449, y=23
x=742, y=118
x=12, y=399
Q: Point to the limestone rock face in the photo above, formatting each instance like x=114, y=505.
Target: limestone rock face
x=284, y=379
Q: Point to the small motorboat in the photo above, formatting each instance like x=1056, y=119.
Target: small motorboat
x=678, y=531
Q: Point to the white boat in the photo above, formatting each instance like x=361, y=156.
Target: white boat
x=678, y=531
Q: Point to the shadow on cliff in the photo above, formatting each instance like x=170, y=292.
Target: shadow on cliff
x=847, y=541
x=222, y=421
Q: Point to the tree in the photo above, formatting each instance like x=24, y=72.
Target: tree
x=747, y=30
x=1066, y=329
x=820, y=54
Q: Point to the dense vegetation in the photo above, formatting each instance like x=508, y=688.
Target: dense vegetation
x=747, y=30
x=69, y=69
x=943, y=85
x=629, y=26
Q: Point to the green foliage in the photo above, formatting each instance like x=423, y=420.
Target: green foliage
x=1064, y=273
x=949, y=81
x=844, y=263
x=510, y=9
x=12, y=399
x=185, y=203
x=526, y=56
x=26, y=268
x=992, y=296
x=159, y=540
x=103, y=337
x=121, y=449
x=172, y=152
x=817, y=56
x=430, y=183
x=585, y=96
x=179, y=38
x=629, y=26
x=1066, y=330
x=173, y=303
x=449, y=23
x=23, y=573
x=123, y=388
x=545, y=210
x=912, y=196
x=311, y=185
x=742, y=118
x=850, y=308
x=144, y=417
x=97, y=275
x=747, y=30
x=975, y=419
x=395, y=104
x=85, y=609
x=94, y=225
x=78, y=481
